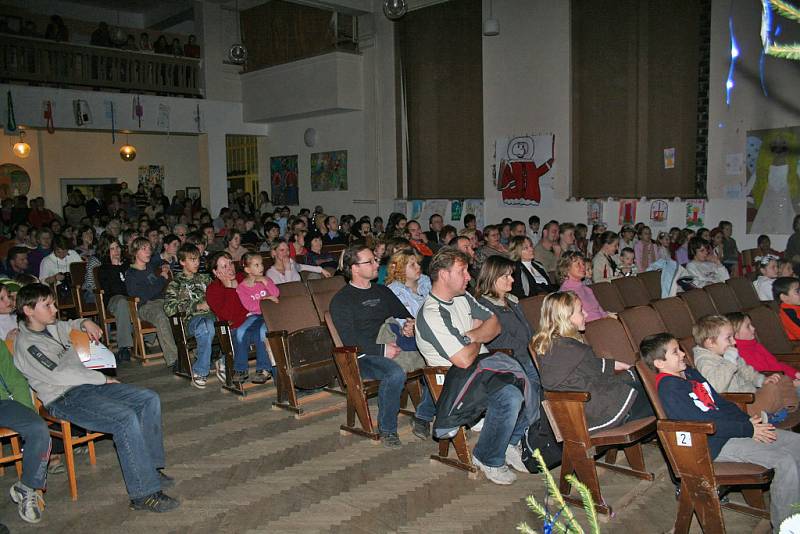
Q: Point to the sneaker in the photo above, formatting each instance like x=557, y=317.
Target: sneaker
x=514, y=458
x=391, y=440
x=240, y=377
x=199, y=381
x=499, y=475
x=420, y=428
x=155, y=502
x=477, y=427
x=166, y=480
x=262, y=377
x=219, y=369
x=30, y=503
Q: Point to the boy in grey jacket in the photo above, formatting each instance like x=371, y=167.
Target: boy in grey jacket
x=44, y=353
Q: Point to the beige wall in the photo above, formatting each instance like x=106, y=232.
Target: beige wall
x=71, y=154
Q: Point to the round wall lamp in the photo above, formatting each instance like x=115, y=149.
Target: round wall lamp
x=310, y=137
x=21, y=149
x=128, y=151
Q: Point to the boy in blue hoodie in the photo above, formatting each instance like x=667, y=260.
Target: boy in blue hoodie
x=687, y=396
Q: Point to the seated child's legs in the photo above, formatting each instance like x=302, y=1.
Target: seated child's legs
x=202, y=328
x=783, y=456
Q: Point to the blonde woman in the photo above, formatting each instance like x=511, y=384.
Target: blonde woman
x=530, y=276
x=285, y=269
x=403, y=278
x=567, y=363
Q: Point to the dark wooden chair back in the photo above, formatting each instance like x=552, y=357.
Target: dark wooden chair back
x=184, y=346
x=532, y=309
x=609, y=339
x=652, y=281
x=723, y=297
x=632, y=290
x=699, y=303
x=677, y=318
x=608, y=296
x=322, y=292
x=769, y=330
x=77, y=272
x=745, y=292
x=640, y=322
x=333, y=250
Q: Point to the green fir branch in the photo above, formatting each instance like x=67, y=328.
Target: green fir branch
x=588, y=502
x=791, y=51
x=785, y=9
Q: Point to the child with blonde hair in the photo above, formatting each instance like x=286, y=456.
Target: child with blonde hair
x=567, y=363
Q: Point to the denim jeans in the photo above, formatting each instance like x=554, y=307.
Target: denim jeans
x=202, y=328
x=35, y=438
x=132, y=415
x=504, y=425
x=426, y=410
x=393, y=379
x=252, y=331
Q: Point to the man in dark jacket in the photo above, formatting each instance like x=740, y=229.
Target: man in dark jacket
x=451, y=331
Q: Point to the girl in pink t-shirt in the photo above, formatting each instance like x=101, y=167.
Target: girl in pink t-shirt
x=255, y=287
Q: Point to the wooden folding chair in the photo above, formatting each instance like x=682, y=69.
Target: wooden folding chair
x=16, y=451
x=608, y=296
x=745, y=292
x=723, y=297
x=104, y=318
x=77, y=271
x=686, y=447
x=434, y=377
x=640, y=322
x=322, y=292
x=64, y=302
x=532, y=310
x=184, y=345
x=609, y=339
x=652, y=281
x=140, y=328
x=566, y=413
x=632, y=290
x=699, y=303
x=302, y=349
x=677, y=318
x=359, y=391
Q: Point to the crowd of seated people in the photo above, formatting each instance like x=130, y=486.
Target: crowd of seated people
x=441, y=297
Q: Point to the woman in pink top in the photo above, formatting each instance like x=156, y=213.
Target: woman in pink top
x=572, y=270
x=255, y=287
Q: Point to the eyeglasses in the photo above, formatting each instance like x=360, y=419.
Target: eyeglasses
x=373, y=260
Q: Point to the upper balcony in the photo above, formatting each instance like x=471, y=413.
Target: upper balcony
x=44, y=62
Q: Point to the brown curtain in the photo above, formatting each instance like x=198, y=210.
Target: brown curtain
x=635, y=87
x=279, y=32
x=441, y=55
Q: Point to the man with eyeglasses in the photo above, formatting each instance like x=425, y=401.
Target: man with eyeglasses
x=358, y=311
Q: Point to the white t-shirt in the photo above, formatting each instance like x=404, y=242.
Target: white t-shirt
x=763, y=287
x=8, y=322
x=440, y=326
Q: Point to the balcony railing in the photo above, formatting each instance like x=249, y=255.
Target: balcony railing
x=41, y=61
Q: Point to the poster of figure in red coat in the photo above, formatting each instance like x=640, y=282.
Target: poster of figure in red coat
x=524, y=168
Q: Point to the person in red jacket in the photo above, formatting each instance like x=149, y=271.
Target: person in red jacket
x=754, y=353
x=246, y=329
x=786, y=291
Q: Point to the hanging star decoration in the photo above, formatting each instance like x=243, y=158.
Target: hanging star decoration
x=779, y=50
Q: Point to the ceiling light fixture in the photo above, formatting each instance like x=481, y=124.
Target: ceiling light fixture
x=395, y=9
x=21, y=149
x=491, y=26
x=128, y=151
x=237, y=53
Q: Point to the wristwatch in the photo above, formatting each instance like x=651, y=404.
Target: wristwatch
x=465, y=340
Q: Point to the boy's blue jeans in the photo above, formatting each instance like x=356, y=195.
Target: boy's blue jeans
x=252, y=331
x=35, y=437
x=201, y=327
x=132, y=415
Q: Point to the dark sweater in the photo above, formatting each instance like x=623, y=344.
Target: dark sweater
x=111, y=279
x=144, y=284
x=359, y=313
x=687, y=400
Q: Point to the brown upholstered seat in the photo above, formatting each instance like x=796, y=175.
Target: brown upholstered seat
x=291, y=289
x=652, y=281
x=608, y=296
x=609, y=339
x=641, y=322
x=322, y=292
x=723, y=297
x=745, y=292
x=532, y=309
x=699, y=303
x=632, y=290
x=677, y=318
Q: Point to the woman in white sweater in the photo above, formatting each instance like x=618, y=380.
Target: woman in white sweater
x=285, y=269
x=704, y=268
x=55, y=265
